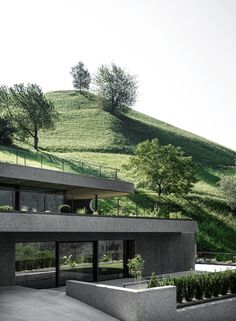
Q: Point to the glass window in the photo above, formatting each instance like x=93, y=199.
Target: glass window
x=53, y=202
x=31, y=201
x=35, y=265
x=111, y=265
x=7, y=197
x=76, y=261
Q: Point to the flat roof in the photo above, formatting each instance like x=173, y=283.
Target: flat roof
x=77, y=186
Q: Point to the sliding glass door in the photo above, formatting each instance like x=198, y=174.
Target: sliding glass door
x=76, y=261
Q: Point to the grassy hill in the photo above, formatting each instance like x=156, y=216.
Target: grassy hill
x=85, y=132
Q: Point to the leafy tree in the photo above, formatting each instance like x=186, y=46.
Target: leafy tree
x=135, y=266
x=117, y=87
x=81, y=77
x=164, y=169
x=228, y=188
x=7, y=131
x=29, y=109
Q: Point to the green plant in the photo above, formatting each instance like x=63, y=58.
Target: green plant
x=198, y=281
x=232, y=281
x=6, y=208
x=135, y=266
x=179, y=283
x=65, y=208
x=207, y=285
x=216, y=279
x=188, y=288
x=67, y=260
x=154, y=281
x=224, y=283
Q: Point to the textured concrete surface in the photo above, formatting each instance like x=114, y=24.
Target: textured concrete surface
x=19, y=222
x=7, y=262
x=24, y=304
x=126, y=304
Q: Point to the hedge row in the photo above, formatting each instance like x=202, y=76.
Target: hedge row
x=199, y=286
x=34, y=264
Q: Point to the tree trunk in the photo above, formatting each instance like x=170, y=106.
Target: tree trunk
x=36, y=139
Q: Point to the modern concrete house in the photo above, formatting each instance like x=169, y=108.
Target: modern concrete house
x=41, y=247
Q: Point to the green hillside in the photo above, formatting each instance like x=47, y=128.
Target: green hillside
x=84, y=126
x=85, y=132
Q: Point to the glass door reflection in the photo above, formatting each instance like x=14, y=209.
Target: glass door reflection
x=76, y=261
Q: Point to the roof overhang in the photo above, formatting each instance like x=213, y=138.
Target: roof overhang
x=76, y=185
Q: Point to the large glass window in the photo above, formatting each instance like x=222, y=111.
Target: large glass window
x=31, y=201
x=110, y=265
x=7, y=197
x=35, y=265
x=53, y=202
x=39, y=201
x=76, y=261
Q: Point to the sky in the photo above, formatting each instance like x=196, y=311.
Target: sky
x=183, y=53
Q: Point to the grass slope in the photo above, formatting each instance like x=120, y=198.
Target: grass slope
x=87, y=133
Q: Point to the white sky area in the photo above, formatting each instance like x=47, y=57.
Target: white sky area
x=183, y=51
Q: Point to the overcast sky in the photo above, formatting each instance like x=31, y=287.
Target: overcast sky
x=183, y=51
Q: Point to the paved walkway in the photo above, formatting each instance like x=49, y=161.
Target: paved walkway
x=24, y=304
x=213, y=267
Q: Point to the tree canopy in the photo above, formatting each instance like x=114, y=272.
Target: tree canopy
x=163, y=169
x=228, y=188
x=7, y=131
x=29, y=109
x=81, y=76
x=117, y=87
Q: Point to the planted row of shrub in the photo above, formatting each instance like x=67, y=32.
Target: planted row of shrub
x=199, y=286
x=34, y=264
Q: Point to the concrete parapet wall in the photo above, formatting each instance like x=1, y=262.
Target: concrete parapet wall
x=156, y=304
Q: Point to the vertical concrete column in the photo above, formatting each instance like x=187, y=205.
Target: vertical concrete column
x=7, y=262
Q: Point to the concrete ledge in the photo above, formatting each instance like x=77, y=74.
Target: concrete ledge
x=19, y=222
x=126, y=304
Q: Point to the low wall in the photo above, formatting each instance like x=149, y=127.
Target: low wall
x=155, y=304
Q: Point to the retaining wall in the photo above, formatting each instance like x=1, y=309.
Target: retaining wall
x=155, y=304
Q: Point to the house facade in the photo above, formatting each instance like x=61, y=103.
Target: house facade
x=41, y=247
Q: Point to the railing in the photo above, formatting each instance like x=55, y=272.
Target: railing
x=216, y=257
x=47, y=161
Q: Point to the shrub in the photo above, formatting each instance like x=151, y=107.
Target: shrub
x=198, y=282
x=216, y=284
x=179, y=283
x=208, y=285
x=135, y=266
x=65, y=208
x=224, y=283
x=232, y=281
x=6, y=208
x=154, y=281
x=188, y=288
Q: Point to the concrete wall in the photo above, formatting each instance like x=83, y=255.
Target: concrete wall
x=7, y=262
x=164, y=253
x=156, y=304
x=125, y=304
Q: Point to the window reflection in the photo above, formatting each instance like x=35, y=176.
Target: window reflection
x=7, y=197
x=111, y=265
x=38, y=201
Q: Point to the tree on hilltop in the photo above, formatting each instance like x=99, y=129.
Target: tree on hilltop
x=29, y=109
x=164, y=169
x=81, y=77
x=117, y=87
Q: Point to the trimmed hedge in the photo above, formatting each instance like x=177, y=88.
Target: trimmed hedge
x=199, y=286
x=34, y=264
